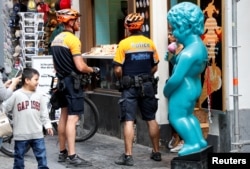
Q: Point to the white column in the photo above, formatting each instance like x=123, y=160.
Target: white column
x=159, y=36
x=75, y=5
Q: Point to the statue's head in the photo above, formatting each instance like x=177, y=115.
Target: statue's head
x=186, y=18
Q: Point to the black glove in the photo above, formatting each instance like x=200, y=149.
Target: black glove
x=96, y=70
x=96, y=73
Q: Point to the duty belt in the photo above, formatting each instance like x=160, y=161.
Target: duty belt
x=135, y=81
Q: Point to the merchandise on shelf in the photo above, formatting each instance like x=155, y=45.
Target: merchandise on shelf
x=28, y=25
x=103, y=50
x=31, y=34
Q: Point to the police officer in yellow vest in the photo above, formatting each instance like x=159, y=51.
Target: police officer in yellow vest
x=135, y=63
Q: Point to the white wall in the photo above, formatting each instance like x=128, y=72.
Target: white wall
x=75, y=5
x=243, y=66
x=159, y=36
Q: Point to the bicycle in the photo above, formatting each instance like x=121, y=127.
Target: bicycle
x=87, y=125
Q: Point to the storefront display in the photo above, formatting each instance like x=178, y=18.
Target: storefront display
x=31, y=35
x=103, y=57
x=102, y=50
x=212, y=37
x=143, y=7
x=28, y=25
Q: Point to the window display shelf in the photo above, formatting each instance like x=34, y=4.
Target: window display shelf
x=104, y=62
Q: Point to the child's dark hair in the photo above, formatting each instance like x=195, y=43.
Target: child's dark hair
x=28, y=73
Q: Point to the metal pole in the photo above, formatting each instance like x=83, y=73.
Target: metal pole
x=2, y=36
x=237, y=142
x=235, y=75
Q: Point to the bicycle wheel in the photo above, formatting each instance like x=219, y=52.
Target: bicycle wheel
x=8, y=146
x=87, y=125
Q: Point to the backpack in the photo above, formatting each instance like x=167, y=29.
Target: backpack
x=58, y=30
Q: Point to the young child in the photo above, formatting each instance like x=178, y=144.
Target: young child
x=174, y=48
x=29, y=116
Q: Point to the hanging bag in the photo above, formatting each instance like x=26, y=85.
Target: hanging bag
x=5, y=127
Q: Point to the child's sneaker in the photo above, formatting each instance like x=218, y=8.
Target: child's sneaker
x=177, y=148
x=125, y=160
x=174, y=141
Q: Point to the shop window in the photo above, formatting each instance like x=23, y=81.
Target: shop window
x=108, y=30
x=107, y=78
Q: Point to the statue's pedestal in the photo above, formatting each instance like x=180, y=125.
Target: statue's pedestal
x=193, y=161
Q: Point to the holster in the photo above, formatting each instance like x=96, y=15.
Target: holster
x=155, y=84
x=60, y=85
x=126, y=82
x=80, y=80
x=76, y=80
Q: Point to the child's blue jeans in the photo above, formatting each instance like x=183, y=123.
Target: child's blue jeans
x=39, y=150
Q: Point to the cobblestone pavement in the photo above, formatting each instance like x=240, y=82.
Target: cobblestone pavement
x=101, y=150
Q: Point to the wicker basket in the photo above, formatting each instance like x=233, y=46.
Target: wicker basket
x=202, y=116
